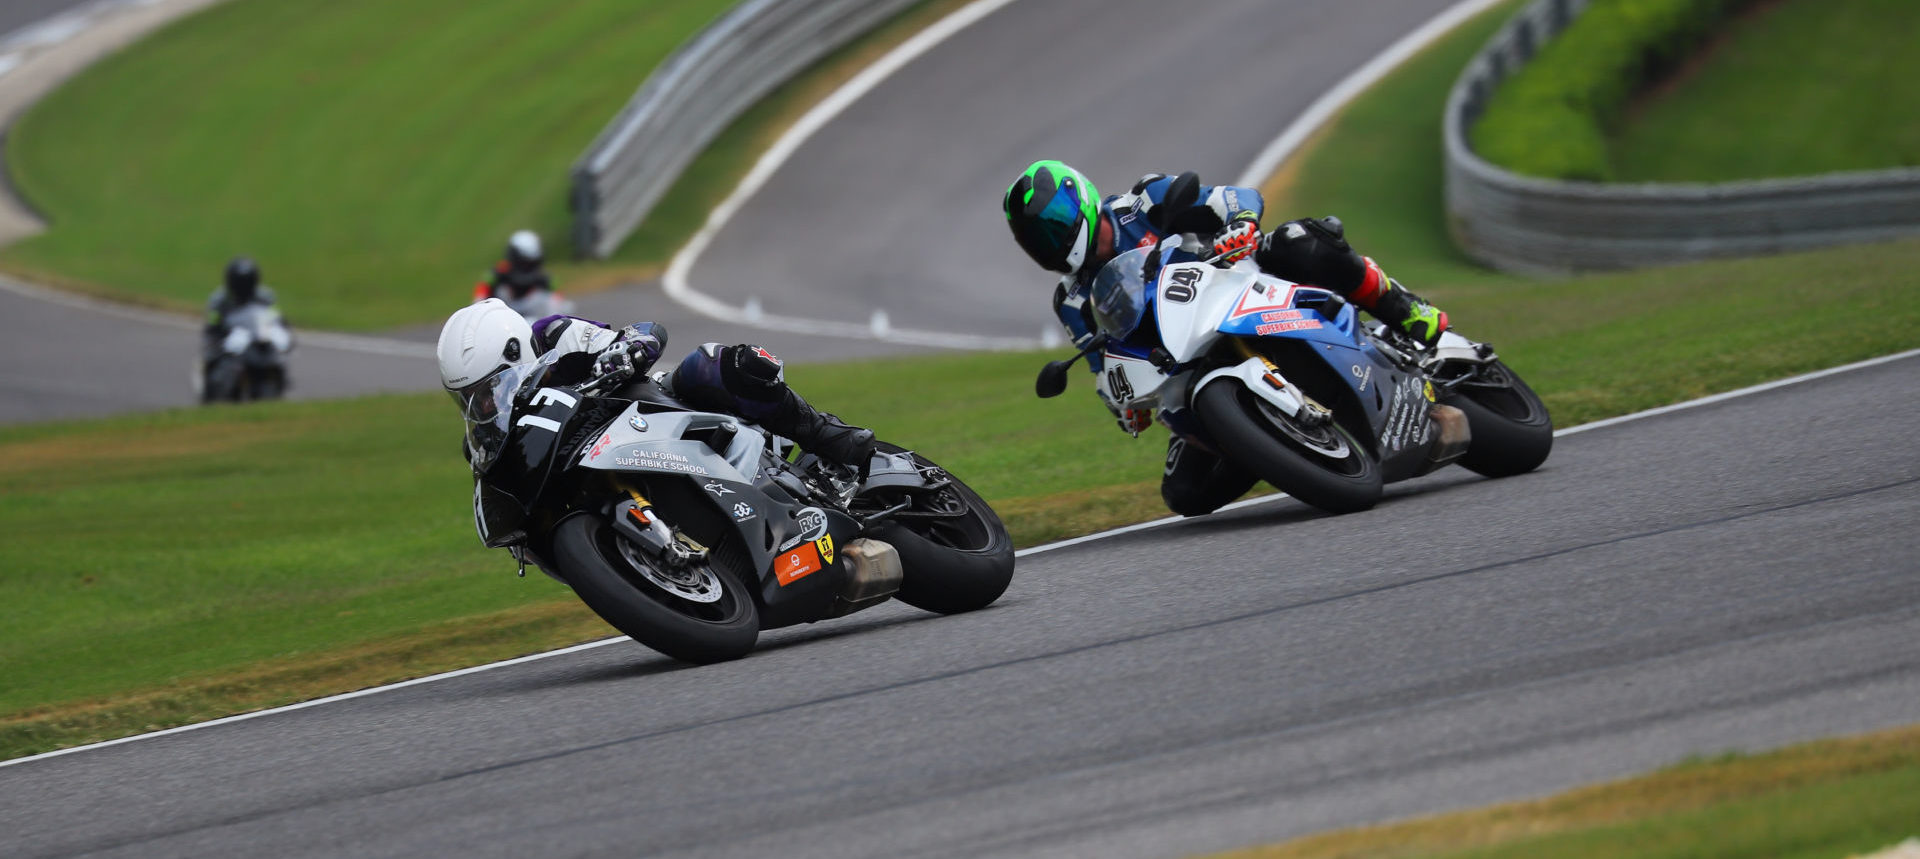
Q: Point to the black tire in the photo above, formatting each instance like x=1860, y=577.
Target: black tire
x=1266, y=443
x=267, y=384
x=223, y=380
x=949, y=564
x=585, y=550
x=1512, y=432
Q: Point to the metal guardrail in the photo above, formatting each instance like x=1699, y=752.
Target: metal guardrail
x=1527, y=224
x=693, y=95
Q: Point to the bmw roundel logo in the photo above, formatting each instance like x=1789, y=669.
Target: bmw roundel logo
x=637, y=422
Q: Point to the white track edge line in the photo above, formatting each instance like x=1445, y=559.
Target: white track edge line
x=1032, y=550
x=135, y=313
x=674, y=281
x=1330, y=102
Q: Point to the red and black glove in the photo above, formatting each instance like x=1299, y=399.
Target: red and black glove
x=1236, y=240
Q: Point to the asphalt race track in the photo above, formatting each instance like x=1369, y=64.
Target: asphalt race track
x=896, y=204
x=1738, y=575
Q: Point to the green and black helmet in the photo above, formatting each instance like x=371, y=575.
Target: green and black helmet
x=1051, y=209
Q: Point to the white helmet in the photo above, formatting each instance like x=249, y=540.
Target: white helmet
x=523, y=249
x=481, y=339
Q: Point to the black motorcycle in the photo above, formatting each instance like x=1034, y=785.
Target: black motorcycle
x=691, y=531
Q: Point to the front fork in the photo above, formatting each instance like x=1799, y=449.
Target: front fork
x=636, y=520
x=1263, y=377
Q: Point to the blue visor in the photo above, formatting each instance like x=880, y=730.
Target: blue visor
x=1049, y=233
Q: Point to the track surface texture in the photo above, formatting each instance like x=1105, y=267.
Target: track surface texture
x=896, y=204
x=893, y=206
x=1734, y=576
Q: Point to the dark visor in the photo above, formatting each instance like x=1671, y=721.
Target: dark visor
x=1047, y=229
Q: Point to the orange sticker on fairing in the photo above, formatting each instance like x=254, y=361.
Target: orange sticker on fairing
x=793, y=566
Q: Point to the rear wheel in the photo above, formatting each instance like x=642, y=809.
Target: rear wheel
x=955, y=555
x=1320, y=465
x=700, y=613
x=1512, y=432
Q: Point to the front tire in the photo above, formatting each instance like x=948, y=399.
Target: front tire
x=1323, y=466
x=590, y=559
x=955, y=554
x=1512, y=432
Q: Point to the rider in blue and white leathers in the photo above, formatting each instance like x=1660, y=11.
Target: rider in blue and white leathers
x=1061, y=221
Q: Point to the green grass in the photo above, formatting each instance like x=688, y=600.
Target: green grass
x=1769, y=102
x=1843, y=817
x=373, y=154
x=379, y=214
x=1820, y=800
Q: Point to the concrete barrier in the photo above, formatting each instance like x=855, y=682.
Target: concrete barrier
x=1546, y=226
x=691, y=98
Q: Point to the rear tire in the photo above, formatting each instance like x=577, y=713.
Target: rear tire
x=701, y=633
x=949, y=564
x=1258, y=437
x=1512, y=432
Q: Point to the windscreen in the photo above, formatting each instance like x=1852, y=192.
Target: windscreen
x=1120, y=293
x=487, y=408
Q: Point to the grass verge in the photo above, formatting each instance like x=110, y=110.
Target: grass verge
x=1761, y=104
x=1842, y=797
x=374, y=185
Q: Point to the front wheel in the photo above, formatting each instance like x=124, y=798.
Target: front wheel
x=1512, y=432
x=1323, y=466
x=702, y=614
x=955, y=555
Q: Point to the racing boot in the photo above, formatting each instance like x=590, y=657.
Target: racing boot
x=820, y=432
x=750, y=381
x=1393, y=304
x=1315, y=251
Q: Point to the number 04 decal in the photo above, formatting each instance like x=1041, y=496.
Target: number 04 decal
x=1180, y=287
x=1117, y=384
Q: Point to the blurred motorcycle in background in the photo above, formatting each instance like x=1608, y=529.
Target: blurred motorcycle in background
x=250, y=362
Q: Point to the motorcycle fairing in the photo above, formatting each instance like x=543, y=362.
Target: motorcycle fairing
x=527, y=456
x=770, y=521
x=663, y=446
x=1128, y=380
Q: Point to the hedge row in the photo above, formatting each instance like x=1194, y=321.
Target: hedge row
x=1552, y=117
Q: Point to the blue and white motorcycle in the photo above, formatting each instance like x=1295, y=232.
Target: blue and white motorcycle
x=1284, y=380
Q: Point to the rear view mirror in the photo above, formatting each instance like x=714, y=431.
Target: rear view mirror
x=1053, y=379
